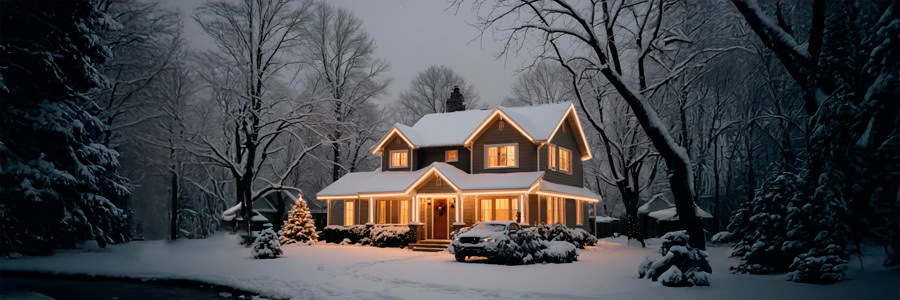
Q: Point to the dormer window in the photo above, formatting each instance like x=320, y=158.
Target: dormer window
x=451, y=156
x=501, y=156
x=565, y=160
x=399, y=159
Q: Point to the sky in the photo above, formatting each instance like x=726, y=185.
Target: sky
x=411, y=35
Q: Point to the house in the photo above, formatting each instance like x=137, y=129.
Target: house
x=658, y=216
x=454, y=169
x=272, y=208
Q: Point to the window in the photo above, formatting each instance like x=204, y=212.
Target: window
x=399, y=158
x=502, y=206
x=579, y=212
x=348, y=213
x=555, y=210
x=451, y=156
x=393, y=211
x=551, y=157
x=501, y=156
x=486, y=210
x=565, y=160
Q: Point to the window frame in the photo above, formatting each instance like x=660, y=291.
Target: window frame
x=569, y=161
x=391, y=159
x=386, y=207
x=447, y=153
x=551, y=157
x=487, y=156
x=349, y=213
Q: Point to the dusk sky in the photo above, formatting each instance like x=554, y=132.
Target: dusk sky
x=412, y=35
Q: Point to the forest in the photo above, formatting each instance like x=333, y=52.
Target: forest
x=780, y=118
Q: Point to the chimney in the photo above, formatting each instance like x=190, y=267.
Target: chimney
x=455, y=102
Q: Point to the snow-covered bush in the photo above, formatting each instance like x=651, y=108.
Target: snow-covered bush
x=722, y=237
x=390, y=236
x=336, y=234
x=527, y=247
x=559, y=232
x=557, y=252
x=345, y=242
x=822, y=268
x=266, y=245
x=675, y=255
x=300, y=226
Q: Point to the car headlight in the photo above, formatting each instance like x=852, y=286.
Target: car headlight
x=485, y=240
x=456, y=239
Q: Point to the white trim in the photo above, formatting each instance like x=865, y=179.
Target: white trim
x=486, y=156
x=371, y=210
x=481, y=127
x=377, y=150
x=586, y=154
x=448, y=151
x=555, y=158
x=559, y=160
x=391, y=159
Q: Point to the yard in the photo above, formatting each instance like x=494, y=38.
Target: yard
x=607, y=271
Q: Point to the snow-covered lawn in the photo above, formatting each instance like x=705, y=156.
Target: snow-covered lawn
x=607, y=271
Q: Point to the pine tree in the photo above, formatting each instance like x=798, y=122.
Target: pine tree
x=760, y=226
x=59, y=183
x=266, y=244
x=300, y=226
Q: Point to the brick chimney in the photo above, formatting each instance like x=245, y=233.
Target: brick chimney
x=455, y=102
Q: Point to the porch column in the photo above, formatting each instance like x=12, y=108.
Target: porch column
x=460, y=203
x=328, y=214
x=371, y=210
x=458, y=208
x=519, y=208
x=415, y=204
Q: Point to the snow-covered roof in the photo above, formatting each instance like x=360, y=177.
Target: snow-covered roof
x=232, y=212
x=605, y=219
x=670, y=214
x=452, y=129
x=658, y=202
x=576, y=192
x=356, y=184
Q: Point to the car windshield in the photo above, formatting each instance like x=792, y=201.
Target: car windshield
x=489, y=227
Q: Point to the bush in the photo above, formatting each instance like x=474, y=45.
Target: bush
x=527, y=247
x=390, y=236
x=379, y=236
x=559, y=232
x=723, y=237
x=674, y=256
x=266, y=245
x=336, y=234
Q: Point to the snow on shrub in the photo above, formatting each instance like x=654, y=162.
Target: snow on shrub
x=675, y=255
x=723, y=237
x=266, y=245
x=336, y=234
x=528, y=247
x=559, y=232
x=346, y=242
x=390, y=236
x=558, y=252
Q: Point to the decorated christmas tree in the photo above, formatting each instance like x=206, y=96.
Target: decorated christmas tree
x=300, y=226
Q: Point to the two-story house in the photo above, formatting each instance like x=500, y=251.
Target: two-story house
x=451, y=170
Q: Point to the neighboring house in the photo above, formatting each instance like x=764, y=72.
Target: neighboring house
x=265, y=210
x=454, y=169
x=658, y=216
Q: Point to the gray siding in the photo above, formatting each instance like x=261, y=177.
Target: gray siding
x=570, y=213
x=533, y=209
x=566, y=140
x=426, y=156
x=430, y=186
x=337, y=212
x=509, y=134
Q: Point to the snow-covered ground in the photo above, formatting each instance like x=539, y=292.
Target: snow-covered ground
x=607, y=271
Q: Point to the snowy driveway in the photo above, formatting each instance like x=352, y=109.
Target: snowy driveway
x=608, y=271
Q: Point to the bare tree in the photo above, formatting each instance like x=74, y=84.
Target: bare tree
x=255, y=41
x=346, y=76
x=543, y=83
x=428, y=92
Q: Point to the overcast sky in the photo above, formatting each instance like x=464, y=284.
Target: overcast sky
x=412, y=35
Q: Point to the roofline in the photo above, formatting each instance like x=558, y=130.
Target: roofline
x=481, y=127
x=586, y=154
x=377, y=150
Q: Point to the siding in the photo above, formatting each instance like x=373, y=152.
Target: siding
x=396, y=143
x=469, y=211
x=493, y=135
x=362, y=213
x=542, y=201
x=426, y=156
x=570, y=213
x=533, y=209
x=337, y=212
x=566, y=140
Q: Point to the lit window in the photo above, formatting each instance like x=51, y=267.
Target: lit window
x=404, y=212
x=502, y=206
x=451, y=156
x=579, y=212
x=551, y=157
x=501, y=156
x=555, y=210
x=382, y=212
x=393, y=211
x=486, y=210
x=399, y=159
x=565, y=160
x=348, y=213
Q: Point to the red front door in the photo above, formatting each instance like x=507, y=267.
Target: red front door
x=439, y=232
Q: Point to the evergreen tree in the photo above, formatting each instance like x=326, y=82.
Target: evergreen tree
x=58, y=182
x=760, y=227
x=300, y=226
x=266, y=244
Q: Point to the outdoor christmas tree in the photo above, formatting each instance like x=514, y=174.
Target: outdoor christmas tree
x=300, y=226
x=266, y=244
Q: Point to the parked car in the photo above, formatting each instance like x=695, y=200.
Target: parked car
x=483, y=238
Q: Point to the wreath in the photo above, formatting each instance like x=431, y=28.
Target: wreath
x=440, y=209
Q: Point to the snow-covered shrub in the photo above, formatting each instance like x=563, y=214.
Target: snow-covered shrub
x=391, y=236
x=557, y=252
x=585, y=237
x=336, y=234
x=559, y=232
x=821, y=268
x=266, y=245
x=365, y=241
x=345, y=242
x=722, y=237
x=675, y=255
x=527, y=247
x=300, y=226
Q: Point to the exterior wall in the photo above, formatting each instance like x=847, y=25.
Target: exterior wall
x=430, y=186
x=542, y=203
x=509, y=134
x=394, y=214
x=469, y=210
x=570, y=212
x=362, y=212
x=533, y=209
x=336, y=212
x=426, y=156
x=396, y=143
x=566, y=140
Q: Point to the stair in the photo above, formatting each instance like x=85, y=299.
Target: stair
x=430, y=245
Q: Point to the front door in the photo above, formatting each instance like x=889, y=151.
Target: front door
x=439, y=231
